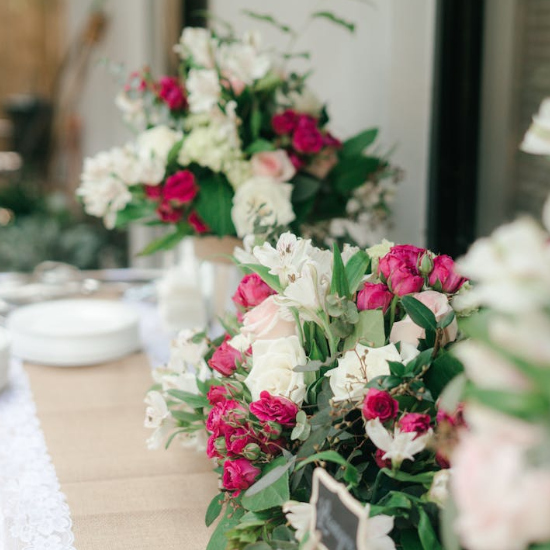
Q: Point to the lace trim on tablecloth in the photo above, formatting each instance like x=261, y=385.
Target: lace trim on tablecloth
x=34, y=514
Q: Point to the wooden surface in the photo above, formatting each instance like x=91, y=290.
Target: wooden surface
x=121, y=495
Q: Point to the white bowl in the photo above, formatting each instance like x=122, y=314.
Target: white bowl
x=70, y=333
x=5, y=343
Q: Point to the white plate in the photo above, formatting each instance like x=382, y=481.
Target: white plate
x=5, y=342
x=70, y=333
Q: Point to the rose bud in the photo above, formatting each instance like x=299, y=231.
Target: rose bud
x=225, y=359
x=252, y=451
x=374, y=296
x=181, y=188
x=252, y=291
x=239, y=474
x=169, y=213
x=444, y=278
x=236, y=439
x=196, y=222
x=274, y=409
x=415, y=422
x=404, y=281
x=220, y=445
x=379, y=404
x=426, y=264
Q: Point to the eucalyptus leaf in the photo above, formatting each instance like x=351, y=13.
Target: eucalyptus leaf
x=258, y=498
x=230, y=519
x=334, y=19
x=266, y=18
x=214, y=509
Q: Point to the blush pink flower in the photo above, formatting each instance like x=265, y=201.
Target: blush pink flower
x=225, y=359
x=271, y=408
x=264, y=322
x=181, y=188
x=415, y=422
x=379, y=404
x=374, y=296
x=444, y=277
x=239, y=474
x=252, y=291
x=172, y=93
x=273, y=164
x=284, y=123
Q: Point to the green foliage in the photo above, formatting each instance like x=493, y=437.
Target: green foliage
x=167, y=241
x=230, y=520
x=356, y=145
x=329, y=16
x=266, y=18
x=356, y=268
x=214, y=509
x=339, y=283
x=214, y=204
x=276, y=492
x=419, y=313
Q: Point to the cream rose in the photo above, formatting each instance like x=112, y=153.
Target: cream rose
x=360, y=365
x=266, y=322
x=409, y=332
x=273, y=363
x=273, y=164
x=265, y=198
x=157, y=142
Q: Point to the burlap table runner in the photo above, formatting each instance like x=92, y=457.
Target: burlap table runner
x=122, y=496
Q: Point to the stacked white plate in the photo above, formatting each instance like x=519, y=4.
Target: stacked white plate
x=71, y=333
x=5, y=342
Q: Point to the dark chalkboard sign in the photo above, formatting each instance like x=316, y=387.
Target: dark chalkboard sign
x=338, y=518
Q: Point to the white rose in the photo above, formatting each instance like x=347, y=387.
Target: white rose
x=409, y=332
x=199, y=44
x=203, y=87
x=265, y=198
x=157, y=142
x=273, y=363
x=358, y=366
x=537, y=138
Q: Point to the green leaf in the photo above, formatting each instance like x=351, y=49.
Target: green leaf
x=230, y=520
x=171, y=438
x=419, y=313
x=184, y=416
x=193, y=400
x=174, y=153
x=339, y=284
x=368, y=331
x=447, y=320
x=266, y=18
x=410, y=540
x=357, y=144
x=352, y=172
x=166, y=242
x=134, y=212
x=269, y=279
x=441, y=372
x=356, y=268
x=275, y=493
x=214, y=510
x=334, y=19
x=255, y=121
x=351, y=475
x=214, y=204
x=424, y=478
x=426, y=532
x=259, y=146
x=304, y=188
x=258, y=546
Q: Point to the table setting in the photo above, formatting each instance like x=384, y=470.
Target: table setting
x=291, y=379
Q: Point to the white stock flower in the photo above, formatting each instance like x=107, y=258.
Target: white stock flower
x=204, y=90
x=537, y=138
x=362, y=364
x=244, y=60
x=156, y=411
x=273, y=363
x=299, y=515
x=265, y=198
x=157, y=142
x=184, y=352
x=199, y=44
x=287, y=258
x=398, y=446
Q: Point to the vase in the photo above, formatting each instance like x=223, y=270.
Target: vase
x=219, y=277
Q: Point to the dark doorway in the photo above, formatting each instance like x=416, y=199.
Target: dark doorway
x=194, y=13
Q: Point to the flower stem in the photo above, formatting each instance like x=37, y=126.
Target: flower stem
x=393, y=308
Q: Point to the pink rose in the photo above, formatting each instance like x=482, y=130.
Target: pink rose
x=211, y=449
x=307, y=138
x=264, y=322
x=197, y=223
x=153, y=192
x=374, y=296
x=380, y=462
x=225, y=359
x=252, y=291
x=180, y=188
x=172, y=93
x=239, y=474
x=220, y=414
x=284, y=123
x=169, y=213
x=415, y=422
x=444, y=277
x=409, y=332
x=379, y=404
x=271, y=446
x=399, y=268
x=217, y=394
x=271, y=408
x=236, y=439
x=273, y=164
x=296, y=160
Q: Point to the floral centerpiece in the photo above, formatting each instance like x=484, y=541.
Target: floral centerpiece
x=335, y=360
x=235, y=144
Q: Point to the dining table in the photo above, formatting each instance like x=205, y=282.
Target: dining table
x=75, y=470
